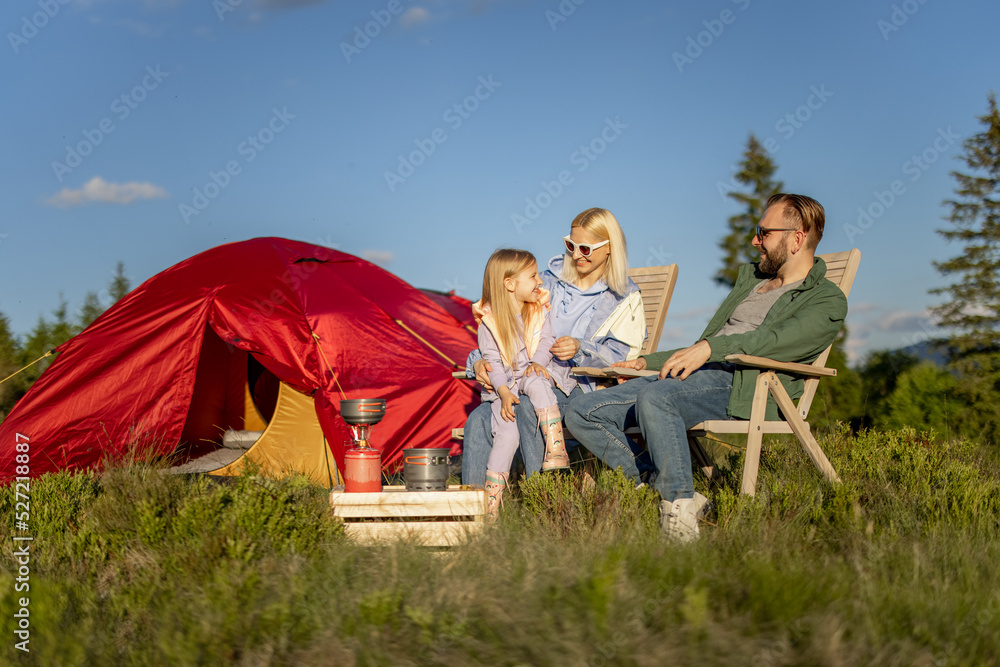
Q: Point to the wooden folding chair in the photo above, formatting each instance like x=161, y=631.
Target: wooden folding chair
x=841, y=268
x=656, y=284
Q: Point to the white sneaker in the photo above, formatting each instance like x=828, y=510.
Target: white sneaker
x=679, y=519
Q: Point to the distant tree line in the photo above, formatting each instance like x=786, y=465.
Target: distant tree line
x=16, y=352
x=894, y=388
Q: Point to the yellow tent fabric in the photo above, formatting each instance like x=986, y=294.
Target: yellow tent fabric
x=292, y=443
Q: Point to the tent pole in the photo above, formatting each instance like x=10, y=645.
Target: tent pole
x=323, y=354
x=422, y=340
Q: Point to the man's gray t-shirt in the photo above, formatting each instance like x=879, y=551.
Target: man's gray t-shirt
x=749, y=314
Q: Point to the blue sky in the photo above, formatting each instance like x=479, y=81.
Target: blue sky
x=424, y=135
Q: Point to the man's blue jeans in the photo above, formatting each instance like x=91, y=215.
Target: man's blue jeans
x=477, y=443
x=665, y=410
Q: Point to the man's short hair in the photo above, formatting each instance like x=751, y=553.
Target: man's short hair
x=804, y=212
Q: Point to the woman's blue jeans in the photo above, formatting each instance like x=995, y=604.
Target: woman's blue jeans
x=664, y=410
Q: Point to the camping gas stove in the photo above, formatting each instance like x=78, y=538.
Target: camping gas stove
x=362, y=464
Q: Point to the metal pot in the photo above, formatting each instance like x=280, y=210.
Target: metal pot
x=426, y=469
x=362, y=410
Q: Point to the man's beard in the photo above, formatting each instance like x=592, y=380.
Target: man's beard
x=774, y=259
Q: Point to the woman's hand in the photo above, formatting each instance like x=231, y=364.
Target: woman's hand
x=537, y=369
x=565, y=348
x=482, y=369
x=508, y=401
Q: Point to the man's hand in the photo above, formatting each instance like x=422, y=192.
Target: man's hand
x=638, y=364
x=482, y=369
x=565, y=348
x=537, y=369
x=509, y=400
x=684, y=362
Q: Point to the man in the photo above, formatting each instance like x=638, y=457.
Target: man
x=782, y=308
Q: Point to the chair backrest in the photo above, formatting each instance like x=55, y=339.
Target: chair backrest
x=656, y=283
x=841, y=267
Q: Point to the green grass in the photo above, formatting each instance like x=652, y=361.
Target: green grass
x=896, y=566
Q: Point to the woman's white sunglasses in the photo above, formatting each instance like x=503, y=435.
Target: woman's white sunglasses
x=585, y=248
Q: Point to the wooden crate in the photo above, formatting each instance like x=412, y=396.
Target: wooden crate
x=433, y=518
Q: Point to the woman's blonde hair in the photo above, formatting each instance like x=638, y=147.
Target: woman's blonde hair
x=602, y=223
x=503, y=264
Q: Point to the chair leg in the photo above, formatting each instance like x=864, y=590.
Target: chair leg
x=801, y=429
x=755, y=436
x=701, y=457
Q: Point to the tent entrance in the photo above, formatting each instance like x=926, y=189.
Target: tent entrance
x=242, y=417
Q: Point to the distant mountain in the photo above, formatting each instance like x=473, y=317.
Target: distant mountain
x=934, y=351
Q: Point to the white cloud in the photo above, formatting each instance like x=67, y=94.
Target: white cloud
x=902, y=320
x=414, y=16
x=99, y=190
x=864, y=307
x=380, y=257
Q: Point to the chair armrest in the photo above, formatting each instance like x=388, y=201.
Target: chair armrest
x=609, y=372
x=771, y=364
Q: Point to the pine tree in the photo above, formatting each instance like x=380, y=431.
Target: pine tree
x=90, y=310
x=756, y=171
x=120, y=285
x=840, y=398
x=973, y=306
x=10, y=355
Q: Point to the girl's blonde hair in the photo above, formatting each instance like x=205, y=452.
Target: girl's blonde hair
x=602, y=223
x=506, y=263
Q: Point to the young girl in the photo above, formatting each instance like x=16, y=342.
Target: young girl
x=515, y=337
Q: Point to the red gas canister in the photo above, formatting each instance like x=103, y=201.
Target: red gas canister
x=362, y=470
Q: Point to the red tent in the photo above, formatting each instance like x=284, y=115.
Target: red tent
x=459, y=307
x=151, y=372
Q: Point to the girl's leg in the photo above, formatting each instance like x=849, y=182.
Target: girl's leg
x=504, y=441
x=498, y=467
x=532, y=442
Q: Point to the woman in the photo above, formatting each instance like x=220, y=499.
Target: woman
x=598, y=319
